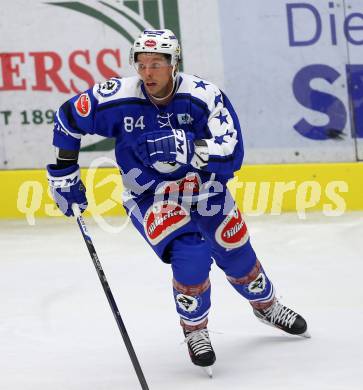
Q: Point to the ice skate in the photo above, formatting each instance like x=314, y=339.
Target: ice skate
x=280, y=316
x=200, y=349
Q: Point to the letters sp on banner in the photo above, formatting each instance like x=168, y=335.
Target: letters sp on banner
x=327, y=103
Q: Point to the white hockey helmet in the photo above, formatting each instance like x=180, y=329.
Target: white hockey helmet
x=156, y=41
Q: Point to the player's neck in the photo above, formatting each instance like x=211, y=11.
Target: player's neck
x=166, y=96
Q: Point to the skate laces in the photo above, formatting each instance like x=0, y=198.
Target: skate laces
x=278, y=313
x=199, y=341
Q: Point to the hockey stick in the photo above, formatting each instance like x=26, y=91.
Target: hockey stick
x=110, y=298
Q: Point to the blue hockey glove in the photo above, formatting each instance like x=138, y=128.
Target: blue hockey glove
x=165, y=146
x=67, y=188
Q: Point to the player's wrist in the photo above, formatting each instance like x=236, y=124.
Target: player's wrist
x=66, y=158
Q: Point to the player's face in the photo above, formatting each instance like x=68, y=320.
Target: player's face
x=156, y=73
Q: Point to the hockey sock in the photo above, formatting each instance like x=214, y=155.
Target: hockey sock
x=255, y=286
x=192, y=304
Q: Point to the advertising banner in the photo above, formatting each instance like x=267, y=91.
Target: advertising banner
x=51, y=51
x=292, y=70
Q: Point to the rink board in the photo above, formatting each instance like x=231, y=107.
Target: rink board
x=258, y=189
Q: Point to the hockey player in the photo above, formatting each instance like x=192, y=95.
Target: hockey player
x=178, y=142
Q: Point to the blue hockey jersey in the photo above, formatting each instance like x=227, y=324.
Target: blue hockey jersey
x=121, y=109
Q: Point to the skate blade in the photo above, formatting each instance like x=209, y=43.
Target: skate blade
x=208, y=370
x=306, y=335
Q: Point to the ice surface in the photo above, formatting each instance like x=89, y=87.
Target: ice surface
x=57, y=331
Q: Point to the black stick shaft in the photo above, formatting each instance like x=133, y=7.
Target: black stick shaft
x=110, y=298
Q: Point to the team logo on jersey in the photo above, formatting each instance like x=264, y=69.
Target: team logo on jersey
x=258, y=285
x=150, y=43
x=232, y=232
x=83, y=105
x=163, y=218
x=109, y=87
x=185, y=119
x=187, y=302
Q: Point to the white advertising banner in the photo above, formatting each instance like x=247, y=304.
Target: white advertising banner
x=291, y=69
x=50, y=51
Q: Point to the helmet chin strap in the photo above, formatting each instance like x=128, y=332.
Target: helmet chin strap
x=174, y=75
